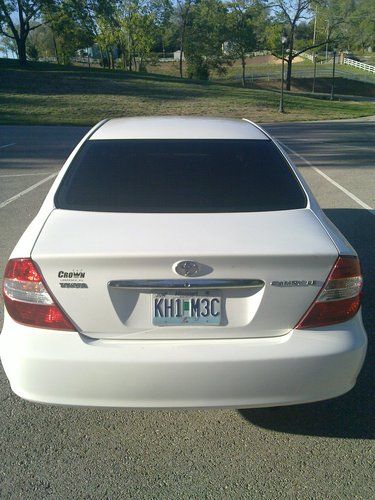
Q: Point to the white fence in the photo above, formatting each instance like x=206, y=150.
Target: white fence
x=361, y=65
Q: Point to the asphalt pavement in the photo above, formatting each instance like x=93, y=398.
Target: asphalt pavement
x=322, y=450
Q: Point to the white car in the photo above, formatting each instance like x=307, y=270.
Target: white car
x=181, y=262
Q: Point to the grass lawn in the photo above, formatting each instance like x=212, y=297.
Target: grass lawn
x=270, y=66
x=260, y=65
x=50, y=94
x=343, y=86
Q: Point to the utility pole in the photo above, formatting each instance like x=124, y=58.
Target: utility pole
x=314, y=55
x=281, y=105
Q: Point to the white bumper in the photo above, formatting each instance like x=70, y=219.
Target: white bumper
x=65, y=368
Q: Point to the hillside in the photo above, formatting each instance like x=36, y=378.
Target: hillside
x=50, y=94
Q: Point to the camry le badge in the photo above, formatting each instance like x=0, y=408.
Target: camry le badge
x=294, y=283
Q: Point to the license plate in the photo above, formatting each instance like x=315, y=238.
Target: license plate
x=186, y=309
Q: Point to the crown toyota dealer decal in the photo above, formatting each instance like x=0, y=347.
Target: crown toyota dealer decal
x=72, y=279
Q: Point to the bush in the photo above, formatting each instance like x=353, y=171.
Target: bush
x=197, y=68
x=32, y=52
x=142, y=68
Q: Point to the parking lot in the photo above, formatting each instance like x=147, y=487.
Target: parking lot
x=322, y=450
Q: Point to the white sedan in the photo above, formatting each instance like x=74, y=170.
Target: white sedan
x=181, y=262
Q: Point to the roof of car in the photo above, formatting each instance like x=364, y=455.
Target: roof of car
x=177, y=127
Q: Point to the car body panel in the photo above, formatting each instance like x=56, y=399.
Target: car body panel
x=69, y=369
x=178, y=127
x=268, y=246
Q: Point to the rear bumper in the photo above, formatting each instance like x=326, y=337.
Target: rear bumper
x=65, y=368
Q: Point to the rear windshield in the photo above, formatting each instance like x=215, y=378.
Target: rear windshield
x=179, y=176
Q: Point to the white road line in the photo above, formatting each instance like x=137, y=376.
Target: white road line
x=299, y=139
x=327, y=178
x=7, y=145
x=23, y=175
x=354, y=146
x=325, y=142
x=25, y=191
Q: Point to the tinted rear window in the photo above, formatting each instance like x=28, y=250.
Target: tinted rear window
x=179, y=176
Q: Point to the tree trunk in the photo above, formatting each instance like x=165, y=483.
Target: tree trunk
x=290, y=60
x=243, y=62
x=289, y=73
x=181, y=53
x=55, y=47
x=111, y=62
x=101, y=57
x=184, y=19
x=108, y=57
x=123, y=57
x=21, y=49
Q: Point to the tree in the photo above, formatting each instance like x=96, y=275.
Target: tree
x=183, y=11
x=68, y=35
x=305, y=31
x=349, y=24
x=105, y=38
x=27, y=13
x=207, y=33
x=287, y=16
x=162, y=11
x=43, y=40
x=363, y=21
x=241, y=39
x=134, y=31
x=32, y=51
x=142, y=33
x=9, y=45
x=96, y=19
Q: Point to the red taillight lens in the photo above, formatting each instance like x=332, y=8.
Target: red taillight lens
x=340, y=297
x=27, y=299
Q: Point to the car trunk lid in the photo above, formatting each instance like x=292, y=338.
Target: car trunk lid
x=284, y=256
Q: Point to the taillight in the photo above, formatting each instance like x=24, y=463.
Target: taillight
x=340, y=297
x=27, y=299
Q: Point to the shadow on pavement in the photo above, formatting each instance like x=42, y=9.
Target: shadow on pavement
x=352, y=415
x=37, y=147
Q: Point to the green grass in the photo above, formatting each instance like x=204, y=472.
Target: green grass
x=368, y=58
x=50, y=94
x=303, y=85
x=254, y=66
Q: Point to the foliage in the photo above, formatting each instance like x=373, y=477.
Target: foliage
x=69, y=36
x=210, y=33
x=350, y=24
x=42, y=40
x=287, y=15
x=32, y=51
x=241, y=29
x=136, y=29
x=244, y=21
x=18, y=18
x=207, y=32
